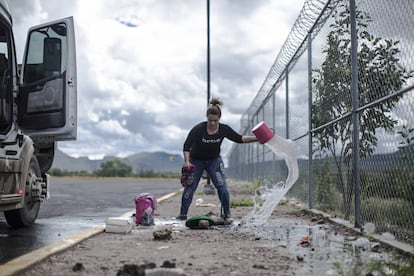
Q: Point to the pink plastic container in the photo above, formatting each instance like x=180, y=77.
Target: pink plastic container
x=263, y=132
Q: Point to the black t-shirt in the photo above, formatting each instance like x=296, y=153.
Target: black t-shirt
x=203, y=146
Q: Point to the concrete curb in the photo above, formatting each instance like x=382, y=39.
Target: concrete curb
x=25, y=261
x=403, y=248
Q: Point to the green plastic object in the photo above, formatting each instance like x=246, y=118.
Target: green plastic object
x=193, y=222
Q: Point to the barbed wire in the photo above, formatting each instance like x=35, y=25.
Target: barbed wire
x=311, y=18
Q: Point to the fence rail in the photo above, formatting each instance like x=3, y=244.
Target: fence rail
x=343, y=83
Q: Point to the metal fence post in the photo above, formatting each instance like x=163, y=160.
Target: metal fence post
x=274, y=127
x=310, y=165
x=287, y=101
x=355, y=114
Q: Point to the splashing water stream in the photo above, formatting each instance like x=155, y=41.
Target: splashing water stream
x=268, y=196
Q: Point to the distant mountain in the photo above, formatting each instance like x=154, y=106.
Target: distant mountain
x=155, y=161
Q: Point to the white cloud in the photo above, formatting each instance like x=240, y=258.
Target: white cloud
x=112, y=128
x=142, y=65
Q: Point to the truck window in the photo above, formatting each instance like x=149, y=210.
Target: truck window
x=46, y=55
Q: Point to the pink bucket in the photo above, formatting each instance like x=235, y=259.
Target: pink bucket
x=263, y=132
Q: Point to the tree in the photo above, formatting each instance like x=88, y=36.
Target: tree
x=380, y=73
x=114, y=168
x=406, y=176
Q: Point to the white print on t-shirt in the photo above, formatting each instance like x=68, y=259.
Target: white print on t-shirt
x=204, y=140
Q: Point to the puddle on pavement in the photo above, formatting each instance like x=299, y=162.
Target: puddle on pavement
x=318, y=246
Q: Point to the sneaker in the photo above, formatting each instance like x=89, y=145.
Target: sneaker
x=227, y=219
x=181, y=217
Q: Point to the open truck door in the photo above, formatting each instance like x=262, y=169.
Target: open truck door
x=47, y=93
x=36, y=110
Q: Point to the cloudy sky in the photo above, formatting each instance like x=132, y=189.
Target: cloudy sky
x=142, y=65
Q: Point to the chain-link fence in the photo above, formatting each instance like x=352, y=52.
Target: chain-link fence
x=343, y=82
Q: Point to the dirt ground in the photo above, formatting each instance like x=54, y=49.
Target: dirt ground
x=219, y=250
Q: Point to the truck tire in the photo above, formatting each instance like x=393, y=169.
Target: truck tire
x=27, y=215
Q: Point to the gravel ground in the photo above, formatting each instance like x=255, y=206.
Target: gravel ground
x=278, y=248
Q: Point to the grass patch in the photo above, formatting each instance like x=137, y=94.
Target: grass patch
x=241, y=203
x=251, y=187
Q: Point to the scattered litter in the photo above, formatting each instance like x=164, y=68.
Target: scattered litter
x=194, y=222
x=145, y=204
x=131, y=270
x=388, y=236
x=163, y=247
x=369, y=228
x=375, y=247
x=362, y=243
x=169, y=264
x=259, y=266
x=351, y=238
x=316, y=218
x=199, y=201
x=221, y=221
x=167, y=268
x=300, y=257
x=78, y=267
x=165, y=271
x=121, y=225
x=304, y=241
x=203, y=224
x=163, y=233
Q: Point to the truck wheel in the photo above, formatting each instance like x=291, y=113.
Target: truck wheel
x=28, y=214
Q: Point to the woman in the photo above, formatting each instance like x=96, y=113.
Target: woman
x=202, y=152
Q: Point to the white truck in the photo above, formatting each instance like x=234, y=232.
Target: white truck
x=38, y=102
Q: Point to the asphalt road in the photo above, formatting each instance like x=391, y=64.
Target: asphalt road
x=75, y=205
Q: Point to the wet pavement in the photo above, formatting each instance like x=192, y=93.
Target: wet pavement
x=14, y=242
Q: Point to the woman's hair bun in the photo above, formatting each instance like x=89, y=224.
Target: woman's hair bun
x=216, y=101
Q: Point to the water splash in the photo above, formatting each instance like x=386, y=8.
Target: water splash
x=268, y=196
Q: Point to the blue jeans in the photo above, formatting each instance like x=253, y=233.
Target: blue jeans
x=214, y=168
